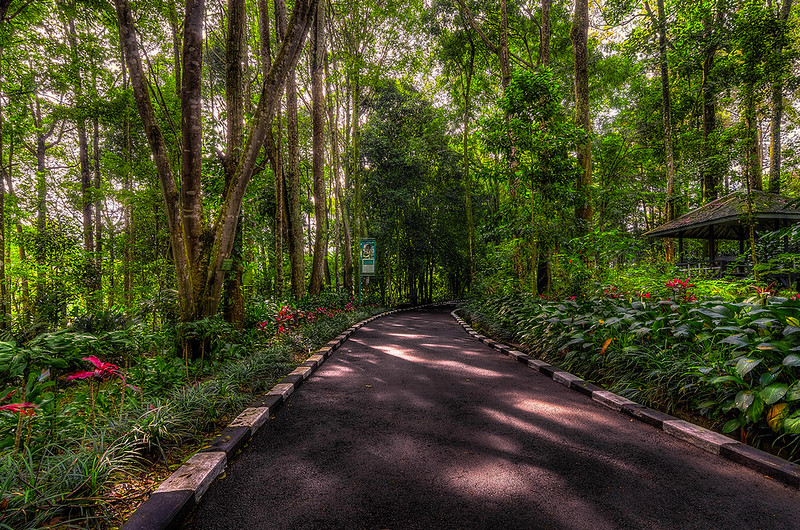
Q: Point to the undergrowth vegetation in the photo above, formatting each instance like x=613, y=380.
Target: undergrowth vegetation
x=732, y=362
x=80, y=411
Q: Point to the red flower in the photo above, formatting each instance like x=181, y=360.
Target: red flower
x=102, y=370
x=22, y=408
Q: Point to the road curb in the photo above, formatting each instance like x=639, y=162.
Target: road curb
x=172, y=502
x=760, y=461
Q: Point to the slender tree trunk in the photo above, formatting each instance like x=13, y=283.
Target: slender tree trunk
x=660, y=22
x=710, y=171
x=274, y=151
x=294, y=214
x=580, y=39
x=234, y=104
x=358, y=206
x=333, y=126
x=98, y=210
x=87, y=200
x=777, y=103
x=544, y=37
x=466, y=83
x=127, y=256
x=318, y=164
x=753, y=139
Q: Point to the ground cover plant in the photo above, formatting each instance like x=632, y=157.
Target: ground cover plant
x=732, y=363
x=82, y=413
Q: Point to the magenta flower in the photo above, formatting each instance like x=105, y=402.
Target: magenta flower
x=21, y=408
x=101, y=370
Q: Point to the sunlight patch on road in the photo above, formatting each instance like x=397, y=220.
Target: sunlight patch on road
x=451, y=366
x=408, y=336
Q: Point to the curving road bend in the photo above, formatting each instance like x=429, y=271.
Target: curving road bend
x=414, y=424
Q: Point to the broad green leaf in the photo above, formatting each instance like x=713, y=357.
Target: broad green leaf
x=745, y=365
x=789, y=330
x=793, y=321
x=791, y=360
x=731, y=426
x=756, y=409
x=767, y=378
x=773, y=393
x=793, y=393
x=744, y=399
x=736, y=340
x=791, y=425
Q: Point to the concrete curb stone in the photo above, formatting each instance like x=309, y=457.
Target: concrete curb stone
x=229, y=440
x=771, y=466
x=162, y=511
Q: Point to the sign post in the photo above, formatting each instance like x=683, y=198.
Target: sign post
x=367, y=259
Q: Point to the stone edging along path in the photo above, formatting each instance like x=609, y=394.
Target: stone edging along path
x=176, y=497
x=713, y=442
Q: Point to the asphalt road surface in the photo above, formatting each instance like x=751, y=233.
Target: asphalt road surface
x=414, y=424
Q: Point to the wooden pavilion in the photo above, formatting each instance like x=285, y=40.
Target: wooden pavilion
x=726, y=218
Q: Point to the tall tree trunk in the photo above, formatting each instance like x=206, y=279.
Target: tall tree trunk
x=294, y=212
x=544, y=37
x=98, y=210
x=318, y=147
x=333, y=127
x=579, y=34
x=274, y=151
x=234, y=105
x=127, y=256
x=355, y=172
x=710, y=179
x=753, y=138
x=466, y=88
x=777, y=102
x=660, y=22
x=87, y=199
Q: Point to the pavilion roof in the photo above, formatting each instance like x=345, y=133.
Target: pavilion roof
x=724, y=218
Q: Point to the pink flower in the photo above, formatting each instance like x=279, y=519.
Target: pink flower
x=102, y=370
x=21, y=408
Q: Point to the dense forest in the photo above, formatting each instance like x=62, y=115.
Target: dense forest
x=194, y=171
x=203, y=157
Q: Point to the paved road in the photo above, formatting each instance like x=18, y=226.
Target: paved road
x=414, y=424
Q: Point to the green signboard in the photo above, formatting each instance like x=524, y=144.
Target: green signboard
x=367, y=257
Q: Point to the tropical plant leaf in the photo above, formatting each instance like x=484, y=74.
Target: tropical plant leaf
x=775, y=416
x=791, y=425
x=731, y=425
x=791, y=360
x=744, y=400
x=745, y=365
x=793, y=393
x=773, y=393
x=736, y=340
x=756, y=409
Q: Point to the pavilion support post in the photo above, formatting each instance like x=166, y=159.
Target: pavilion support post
x=712, y=246
x=680, y=249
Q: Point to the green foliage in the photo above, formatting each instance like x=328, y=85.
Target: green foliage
x=731, y=360
x=59, y=455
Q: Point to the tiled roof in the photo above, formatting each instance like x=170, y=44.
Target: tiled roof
x=725, y=218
